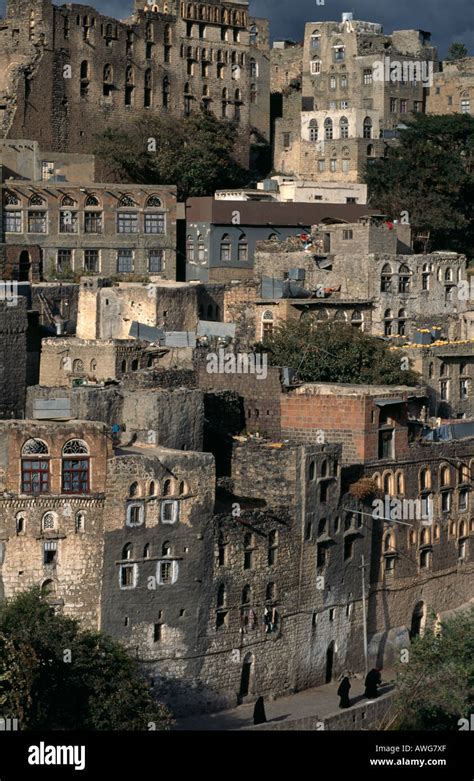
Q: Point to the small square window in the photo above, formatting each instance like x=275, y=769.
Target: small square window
x=135, y=514
x=169, y=511
x=128, y=576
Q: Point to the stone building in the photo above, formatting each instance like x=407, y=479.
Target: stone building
x=53, y=484
x=83, y=71
x=159, y=407
x=70, y=361
x=13, y=357
x=107, y=311
x=447, y=372
x=222, y=234
x=358, y=84
x=404, y=288
x=58, y=229
x=452, y=91
x=421, y=568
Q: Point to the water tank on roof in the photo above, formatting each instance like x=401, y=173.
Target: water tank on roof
x=347, y=16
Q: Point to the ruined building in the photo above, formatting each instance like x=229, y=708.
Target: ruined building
x=82, y=71
x=347, y=109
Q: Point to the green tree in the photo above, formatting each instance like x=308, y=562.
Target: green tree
x=430, y=175
x=436, y=687
x=457, y=51
x=55, y=676
x=336, y=352
x=197, y=153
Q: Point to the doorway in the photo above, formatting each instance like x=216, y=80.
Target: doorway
x=247, y=675
x=24, y=267
x=417, y=620
x=329, y=662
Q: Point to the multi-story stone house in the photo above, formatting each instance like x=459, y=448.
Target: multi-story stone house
x=452, y=91
x=358, y=85
x=83, y=71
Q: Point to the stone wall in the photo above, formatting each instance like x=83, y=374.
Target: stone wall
x=13, y=358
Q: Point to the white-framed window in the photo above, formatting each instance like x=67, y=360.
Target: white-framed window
x=92, y=260
x=12, y=222
x=128, y=576
x=124, y=261
x=167, y=572
x=155, y=223
x=135, y=514
x=49, y=522
x=465, y=106
x=127, y=222
x=37, y=222
x=80, y=524
x=315, y=67
x=156, y=260
x=169, y=512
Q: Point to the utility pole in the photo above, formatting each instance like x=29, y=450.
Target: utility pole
x=364, y=614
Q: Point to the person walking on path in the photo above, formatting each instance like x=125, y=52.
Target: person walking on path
x=343, y=692
x=259, y=716
x=372, y=681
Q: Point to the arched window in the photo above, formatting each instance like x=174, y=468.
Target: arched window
x=243, y=248
x=388, y=484
x=249, y=550
x=84, y=70
x=134, y=490
x=340, y=316
x=221, y=596
x=253, y=37
x=357, y=319
x=425, y=479
x=147, y=551
x=367, y=128
x=166, y=549
x=400, y=483
x=75, y=467
x=246, y=595
x=253, y=93
x=312, y=470
x=445, y=476
x=370, y=150
x=402, y=321
x=328, y=129
x=404, y=277
x=267, y=324
x=388, y=322
x=148, y=88
x=80, y=522
x=425, y=277
x=313, y=130
x=344, y=127
x=167, y=35
x=152, y=488
x=315, y=66
x=166, y=92
x=386, y=279
x=225, y=248
x=273, y=542
x=48, y=588
x=448, y=275
x=182, y=488
x=167, y=486
x=91, y=202
x=49, y=522
x=339, y=51
x=315, y=39
x=37, y=200
x=127, y=551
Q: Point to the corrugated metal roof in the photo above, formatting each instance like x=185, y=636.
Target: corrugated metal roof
x=211, y=328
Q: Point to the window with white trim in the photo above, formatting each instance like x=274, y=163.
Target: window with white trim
x=135, y=514
x=167, y=572
x=169, y=511
x=128, y=576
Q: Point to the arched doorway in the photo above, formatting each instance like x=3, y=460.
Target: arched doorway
x=329, y=662
x=247, y=675
x=417, y=620
x=24, y=267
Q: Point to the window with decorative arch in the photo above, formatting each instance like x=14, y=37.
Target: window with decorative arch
x=35, y=467
x=75, y=467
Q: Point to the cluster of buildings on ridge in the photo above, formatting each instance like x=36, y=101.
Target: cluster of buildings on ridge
x=215, y=523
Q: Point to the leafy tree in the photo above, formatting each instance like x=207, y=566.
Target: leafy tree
x=436, y=686
x=197, y=153
x=430, y=175
x=335, y=352
x=55, y=676
x=457, y=51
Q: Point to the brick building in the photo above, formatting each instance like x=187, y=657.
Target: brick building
x=84, y=71
x=347, y=109
x=447, y=372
